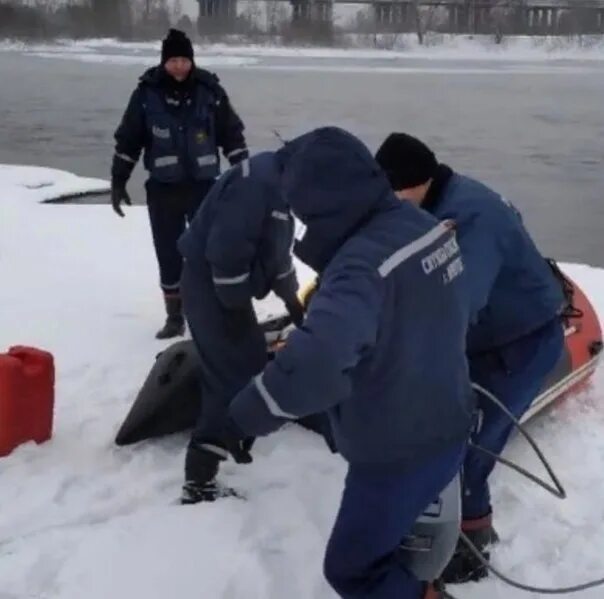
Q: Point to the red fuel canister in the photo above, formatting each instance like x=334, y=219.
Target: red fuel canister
x=27, y=381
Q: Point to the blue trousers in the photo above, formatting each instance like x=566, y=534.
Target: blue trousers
x=515, y=375
x=171, y=207
x=378, y=508
x=227, y=364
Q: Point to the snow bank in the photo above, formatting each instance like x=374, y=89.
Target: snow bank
x=148, y=61
x=361, y=48
x=37, y=184
x=483, y=47
x=441, y=47
x=82, y=518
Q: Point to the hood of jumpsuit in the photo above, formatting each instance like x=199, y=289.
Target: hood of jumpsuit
x=334, y=186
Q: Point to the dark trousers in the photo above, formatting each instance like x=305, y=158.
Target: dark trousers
x=171, y=208
x=377, y=510
x=227, y=364
x=515, y=374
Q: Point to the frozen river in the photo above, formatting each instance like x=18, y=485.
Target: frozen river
x=535, y=130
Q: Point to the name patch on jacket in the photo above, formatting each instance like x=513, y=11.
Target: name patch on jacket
x=447, y=252
x=453, y=270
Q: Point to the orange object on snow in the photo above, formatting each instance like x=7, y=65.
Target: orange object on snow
x=26, y=397
x=582, y=353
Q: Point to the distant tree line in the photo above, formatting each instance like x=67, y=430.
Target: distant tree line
x=127, y=19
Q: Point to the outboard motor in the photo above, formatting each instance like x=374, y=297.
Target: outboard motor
x=430, y=546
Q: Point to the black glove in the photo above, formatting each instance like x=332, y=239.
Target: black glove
x=295, y=310
x=119, y=195
x=240, y=449
x=238, y=322
x=235, y=442
x=203, y=456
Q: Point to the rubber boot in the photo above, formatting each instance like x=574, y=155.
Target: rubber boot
x=201, y=467
x=175, y=322
x=464, y=565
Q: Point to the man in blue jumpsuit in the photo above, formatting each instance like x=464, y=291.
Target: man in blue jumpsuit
x=180, y=115
x=238, y=247
x=515, y=337
x=381, y=349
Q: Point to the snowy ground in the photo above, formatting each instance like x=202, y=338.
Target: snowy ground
x=81, y=518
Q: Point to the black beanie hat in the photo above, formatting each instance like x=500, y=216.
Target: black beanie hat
x=406, y=160
x=176, y=44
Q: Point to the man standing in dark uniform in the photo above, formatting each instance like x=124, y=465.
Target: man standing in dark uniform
x=180, y=115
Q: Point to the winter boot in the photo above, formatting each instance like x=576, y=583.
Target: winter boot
x=201, y=468
x=193, y=492
x=464, y=565
x=175, y=322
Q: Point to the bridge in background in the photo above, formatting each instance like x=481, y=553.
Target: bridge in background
x=444, y=16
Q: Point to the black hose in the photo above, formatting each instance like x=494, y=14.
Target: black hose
x=525, y=587
x=523, y=471
x=558, y=491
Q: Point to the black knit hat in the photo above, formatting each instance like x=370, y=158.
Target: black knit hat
x=406, y=160
x=176, y=44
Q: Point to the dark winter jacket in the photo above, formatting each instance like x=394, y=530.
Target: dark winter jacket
x=244, y=233
x=180, y=126
x=383, y=345
x=512, y=289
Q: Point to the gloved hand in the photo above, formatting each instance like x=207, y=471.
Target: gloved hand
x=201, y=464
x=295, y=310
x=238, y=322
x=235, y=442
x=119, y=195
